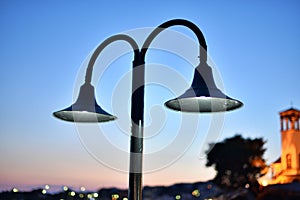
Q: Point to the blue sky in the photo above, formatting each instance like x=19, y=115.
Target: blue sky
x=44, y=44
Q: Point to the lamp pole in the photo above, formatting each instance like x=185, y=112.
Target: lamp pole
x=202, y=96
x=137, y=106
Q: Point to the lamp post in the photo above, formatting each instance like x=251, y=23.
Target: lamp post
x=202, y=96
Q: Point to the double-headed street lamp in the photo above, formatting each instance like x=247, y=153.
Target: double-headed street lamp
x=203, y=96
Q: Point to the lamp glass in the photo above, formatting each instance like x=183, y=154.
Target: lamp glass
x=83, y=116
x=203, y=104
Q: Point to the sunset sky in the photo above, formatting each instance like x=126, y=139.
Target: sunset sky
x=253, y=47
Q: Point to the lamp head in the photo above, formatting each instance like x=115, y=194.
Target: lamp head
x=203, y=95
x=85, y=109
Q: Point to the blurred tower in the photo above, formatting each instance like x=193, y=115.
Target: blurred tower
x=290, y=146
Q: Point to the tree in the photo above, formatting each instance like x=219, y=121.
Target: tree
x=238, y=162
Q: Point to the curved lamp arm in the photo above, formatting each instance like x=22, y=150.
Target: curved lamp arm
x=86, y=108
x=174, y=22
x=203, y=95
x=105, y=43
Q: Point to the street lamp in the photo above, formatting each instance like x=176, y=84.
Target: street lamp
x=203, y=96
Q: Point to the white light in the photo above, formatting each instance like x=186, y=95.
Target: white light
x=65, y=188
x=196, y=193
x=264, y=183
x=95, y=195
x=72, y=193
x=82, y=189
x=47, y=187
x=15, y=190
x=44, y=191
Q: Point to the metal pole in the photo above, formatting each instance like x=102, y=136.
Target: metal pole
x=137, y=105
x=137, y=130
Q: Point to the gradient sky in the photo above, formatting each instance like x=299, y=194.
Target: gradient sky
x=255, y=46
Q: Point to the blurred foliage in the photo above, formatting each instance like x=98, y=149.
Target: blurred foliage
x=238, y=161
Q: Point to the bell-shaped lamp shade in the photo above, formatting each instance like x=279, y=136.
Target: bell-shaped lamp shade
x=85, y=109
x=203, y=95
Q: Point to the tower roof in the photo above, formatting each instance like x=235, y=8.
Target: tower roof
x=292, y=111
